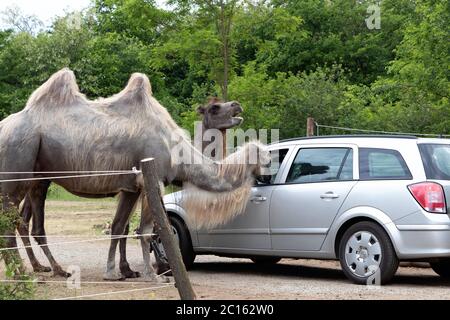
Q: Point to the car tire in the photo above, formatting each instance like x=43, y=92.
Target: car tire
x=442, y=267
x=365, y=248
x=265, y=260
x=184, y=241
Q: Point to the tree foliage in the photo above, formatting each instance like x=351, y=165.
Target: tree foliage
x=283, y=60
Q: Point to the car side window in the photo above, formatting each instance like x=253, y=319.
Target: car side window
x=277, y=158
x=382, y=164
x=321, y=164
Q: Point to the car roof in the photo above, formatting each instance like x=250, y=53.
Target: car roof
x=352, y=138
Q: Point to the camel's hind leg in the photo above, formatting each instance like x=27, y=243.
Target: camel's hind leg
x=127, y=202
x=10, y=255
x=20, y=142
x=37, y=196
x=23, y=229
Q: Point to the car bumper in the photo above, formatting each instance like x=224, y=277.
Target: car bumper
x=422, y=241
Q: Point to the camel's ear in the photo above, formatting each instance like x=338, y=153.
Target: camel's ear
x=201, y=110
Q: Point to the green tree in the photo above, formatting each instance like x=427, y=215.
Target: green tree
x=417, y=84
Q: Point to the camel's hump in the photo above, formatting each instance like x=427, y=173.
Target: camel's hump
x=138, y=82
x=59, y=90
x=137, y=92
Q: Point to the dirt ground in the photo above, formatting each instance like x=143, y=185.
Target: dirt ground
x=68, y=222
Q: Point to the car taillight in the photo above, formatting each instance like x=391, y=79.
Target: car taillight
x=430, y=196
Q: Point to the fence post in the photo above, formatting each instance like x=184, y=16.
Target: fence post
x=156, y=207
x=310, y=126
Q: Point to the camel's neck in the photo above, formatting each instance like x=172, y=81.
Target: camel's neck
x=204, y=173
x=207, y=143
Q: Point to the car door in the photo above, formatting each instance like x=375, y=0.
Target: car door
x=315, y=185
x=249, y=230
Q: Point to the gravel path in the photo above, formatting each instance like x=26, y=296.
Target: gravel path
x=225, y=278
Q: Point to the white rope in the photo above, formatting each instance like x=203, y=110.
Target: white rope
x=79, y=174
x=81, y=283
x=385, y=132
x=62, y=172
x=62, y=236
x=114, y=237
x=114, y=292
x=66, y=177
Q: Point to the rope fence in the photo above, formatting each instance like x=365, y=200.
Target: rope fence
x=71, y=175
x=74, y=174
x=113, y=292
x=114, y=237
x=83, y=282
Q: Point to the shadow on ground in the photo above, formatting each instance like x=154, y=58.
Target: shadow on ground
x=285, y=270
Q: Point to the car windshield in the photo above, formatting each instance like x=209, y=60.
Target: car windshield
x=436, y=160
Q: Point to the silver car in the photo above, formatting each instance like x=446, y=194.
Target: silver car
x=369, y=201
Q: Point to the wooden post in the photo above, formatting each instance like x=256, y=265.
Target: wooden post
x=156, y=207
x=310, y=126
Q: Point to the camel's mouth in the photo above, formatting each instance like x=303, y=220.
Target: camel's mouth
x=237, y=111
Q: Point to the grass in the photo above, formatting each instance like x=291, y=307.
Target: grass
x=56, y=192
x=82, y=205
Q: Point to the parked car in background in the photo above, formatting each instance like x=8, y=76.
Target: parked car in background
x=368, y=201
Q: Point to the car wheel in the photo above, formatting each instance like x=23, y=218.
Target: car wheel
x=265, y=260
x=442, y=267
x=184, y=241
x=367, y=255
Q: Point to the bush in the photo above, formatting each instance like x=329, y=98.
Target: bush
x=14, y=269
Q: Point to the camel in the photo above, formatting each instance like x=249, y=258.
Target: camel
x=60, y=130
x=216, y=114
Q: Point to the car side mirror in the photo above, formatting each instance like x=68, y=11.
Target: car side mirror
x=263, y=179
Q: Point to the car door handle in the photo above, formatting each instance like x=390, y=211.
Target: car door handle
x=329, y=195
x=258, y=199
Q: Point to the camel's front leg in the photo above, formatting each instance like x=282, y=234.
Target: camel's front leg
x=149, y=272
x=146, y=229
x=124, y=266
x=126, y=205
x=111, y=273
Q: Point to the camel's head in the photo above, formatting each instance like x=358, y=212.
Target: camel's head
x=220, y=115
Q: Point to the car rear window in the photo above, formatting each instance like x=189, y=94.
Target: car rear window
x=382, y=164
x=436, y=160
x=321, y=164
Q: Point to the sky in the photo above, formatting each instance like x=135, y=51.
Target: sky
x=45, y=10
